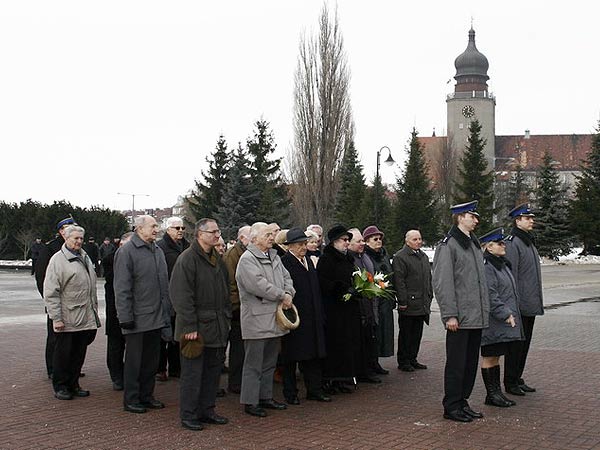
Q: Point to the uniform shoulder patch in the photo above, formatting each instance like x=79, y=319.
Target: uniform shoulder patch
x=445, y=240
x=510, y=237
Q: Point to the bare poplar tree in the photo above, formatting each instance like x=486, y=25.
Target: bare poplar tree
x=323, y=125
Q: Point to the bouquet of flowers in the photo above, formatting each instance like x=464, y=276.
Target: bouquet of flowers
x=370, y=286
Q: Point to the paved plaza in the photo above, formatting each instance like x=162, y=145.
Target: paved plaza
x=403, y=412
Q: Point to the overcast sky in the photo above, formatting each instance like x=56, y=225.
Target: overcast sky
x=98, y=98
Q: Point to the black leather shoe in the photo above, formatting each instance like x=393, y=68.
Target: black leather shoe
x=381, y=371
x=514, y=390
x=78, y=392
x=193, y=425
x=153, y=404
x=117, y=385
x=469, y=412
x=418, y=365
x=526, y=388
x=221, y=393
x=234, y=390
x=458, y=416
x=292, y=400
x=406, y=368
x=136, y=408
x=272, y=404
x=63, y=394
x=81, y=374
x=319, y=397
x=215, y=419
x=255, y=410
x=371, y=379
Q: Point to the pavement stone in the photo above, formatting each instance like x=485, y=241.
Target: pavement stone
x=404, y=412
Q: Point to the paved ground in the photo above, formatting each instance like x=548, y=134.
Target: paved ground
x=403, y=412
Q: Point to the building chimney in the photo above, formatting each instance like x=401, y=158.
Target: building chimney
x=527, y=135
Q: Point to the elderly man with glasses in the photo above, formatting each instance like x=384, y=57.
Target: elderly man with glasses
x=173, y=243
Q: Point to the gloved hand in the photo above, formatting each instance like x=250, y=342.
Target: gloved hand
x=127, y=325
x=352, y=291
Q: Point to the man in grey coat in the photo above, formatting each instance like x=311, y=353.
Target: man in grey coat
x=526, y=269
x=200, y=295
x=263, y=283
x=461, y=292
x=144, y=310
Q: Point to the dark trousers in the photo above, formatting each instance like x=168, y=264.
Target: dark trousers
x=169, y=354
x=68, y=357
x=367, y=353
x=462, y=357
x=410, y=333
x=259, y=366
x=141, y=362
x=50, y=343
x=312, y=373
x=236, y=356
x=516, y=357
x=115, y=350
x=199, y=382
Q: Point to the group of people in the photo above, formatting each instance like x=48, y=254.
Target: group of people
x=282, y=301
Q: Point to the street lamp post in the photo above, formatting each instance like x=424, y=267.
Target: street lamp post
x=390, y=162
x=132, y=203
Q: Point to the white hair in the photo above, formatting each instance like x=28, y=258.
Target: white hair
x=311, y=235
x=256, y=229
x=312, y=226
x=244, y=231
x=409, y=232
x=140, y=221
x=72, y=229
x=355, y=232
x=172, y=221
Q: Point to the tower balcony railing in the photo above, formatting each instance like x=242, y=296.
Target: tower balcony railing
x=471, y=94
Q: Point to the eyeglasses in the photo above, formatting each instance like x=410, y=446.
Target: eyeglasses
x=215, y=232
x=376, y=238
x=178, y=228
x=345, y=239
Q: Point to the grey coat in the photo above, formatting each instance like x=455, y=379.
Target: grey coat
x=412, y=280
x=525, y=266
x=262, y=283
x=142, y=287
x=504, y=301
x=459, y=281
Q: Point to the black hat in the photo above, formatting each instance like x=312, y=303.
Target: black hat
x=295, y=235
x=469, y=207
x=495, y=235
x=337, y=232
x=521, y=210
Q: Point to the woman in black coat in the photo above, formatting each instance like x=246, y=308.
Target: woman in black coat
x=385, y=324
x=505, y=326
x=306, y=344
x=342, y=327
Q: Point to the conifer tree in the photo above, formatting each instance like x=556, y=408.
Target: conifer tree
x=585, y=207
x=205, y=199
x=376, y=207
x=511, y=193
x=415, y=206
x=476, y=180
x=240, y=196
x=552, y=232
x=266, y=175
x=352, y=188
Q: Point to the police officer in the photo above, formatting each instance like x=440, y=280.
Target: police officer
x=525, y=266
x=45, y=253
x=460, y=289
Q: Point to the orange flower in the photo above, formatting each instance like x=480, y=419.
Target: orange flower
x=369, y=277
x=381, y=284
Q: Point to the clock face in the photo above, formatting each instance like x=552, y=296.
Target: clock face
x=468, y=111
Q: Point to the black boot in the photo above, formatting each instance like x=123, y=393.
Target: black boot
x=496, y=370
x=492, y=387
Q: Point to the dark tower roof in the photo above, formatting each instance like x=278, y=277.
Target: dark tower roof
x=471, y=68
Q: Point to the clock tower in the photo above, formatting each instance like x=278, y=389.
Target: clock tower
x=471, y=100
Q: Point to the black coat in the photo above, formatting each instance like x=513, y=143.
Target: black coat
x=46, y=252
x=172, y=250
x=112, y=323
x=342, y=324
x=412, y=281
x=308, y=340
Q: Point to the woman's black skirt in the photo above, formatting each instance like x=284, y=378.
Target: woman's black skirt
x=497, y=349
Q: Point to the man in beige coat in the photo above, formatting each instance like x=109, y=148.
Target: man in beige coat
x=72, y=305
x=263, y=283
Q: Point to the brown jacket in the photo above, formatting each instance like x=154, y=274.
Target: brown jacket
x=231, y=259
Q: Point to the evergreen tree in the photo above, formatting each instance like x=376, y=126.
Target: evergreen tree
x=376, y=207
x=552, y=232
x=584, y=209
x=266, y=175
x=240, y=197
x=415, y=206
x=476, y=180
x=206, y=197
x=352, y=188
x=511, y=193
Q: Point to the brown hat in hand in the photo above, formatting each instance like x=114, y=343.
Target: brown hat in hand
x=191, y=349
